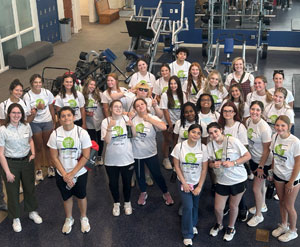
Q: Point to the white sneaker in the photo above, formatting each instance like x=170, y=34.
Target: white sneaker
x=128, y=208
x=116, y=209
x=281, y=229
x=255, y=220
x=51, y=172
x=251, y=176
x=288, y=236
x=67, y=227
x=167, y=164
x=35, y=217
x=215, y=230
x=263, y=209
x=276, y=197
x=229, y=234
x=85, y=225
x=17, y=225
x=195, y=230
x=39, y=175
x=188, y=242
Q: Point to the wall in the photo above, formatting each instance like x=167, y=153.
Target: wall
x=84, y=7
x=115, y=4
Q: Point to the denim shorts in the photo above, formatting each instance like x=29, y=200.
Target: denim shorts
x=41, y=127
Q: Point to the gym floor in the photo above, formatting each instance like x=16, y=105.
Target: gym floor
x=155, y=224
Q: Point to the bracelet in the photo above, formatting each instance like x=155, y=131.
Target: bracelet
x=235, y=163
x=260, y=167
x=109, y=130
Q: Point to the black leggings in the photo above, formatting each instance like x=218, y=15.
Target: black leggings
x=113, y=173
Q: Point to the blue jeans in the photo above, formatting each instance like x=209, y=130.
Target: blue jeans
x=189, y=219
x=154, y=168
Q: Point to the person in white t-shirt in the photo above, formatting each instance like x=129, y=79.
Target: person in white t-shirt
x=145, y=150
x=171, y=102
x=113, y=92
x=70, y=150
x=260, y=93
x=94, y=113
x=215, y=87
x=69, y=96
x=259, y=138
x=190, y=162
x=142, y=75
x=240, y=76
x=115, y=131
x=41, y=101
x=279, y=107
x=194, y=83
x=278, y=78
x=161, y=84
x=286, y=174
x=227, y=156
x=180, y=66
x=206, y=109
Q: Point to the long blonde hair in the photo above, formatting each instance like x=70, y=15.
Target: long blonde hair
x=269, y=97
x=207, y=86
x=86, y=92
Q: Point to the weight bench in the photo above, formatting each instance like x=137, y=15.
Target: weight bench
x=30, y=55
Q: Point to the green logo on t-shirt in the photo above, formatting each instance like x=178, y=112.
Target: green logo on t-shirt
x=177, y=104
x=180, y=74
x=185, y=134
x=228, y=134
x=143, y=82
x=72, y=103
x=193, y=91
x=279, y=150
x=249, y=133
x=91, y=103
x=68, y=142
x=218, y=154
x=273, y=118
x=165, y=89
x=119, y=130
x=215, y=97
x=140, y=128
x=190, y=158
x=38, y=101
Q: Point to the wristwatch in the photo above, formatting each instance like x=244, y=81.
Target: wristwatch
x=235, y=163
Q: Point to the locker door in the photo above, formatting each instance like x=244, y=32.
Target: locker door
x=48, y=20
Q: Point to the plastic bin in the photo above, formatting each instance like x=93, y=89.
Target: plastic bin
x=65, y=29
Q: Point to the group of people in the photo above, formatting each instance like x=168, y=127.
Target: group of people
x=230, y=131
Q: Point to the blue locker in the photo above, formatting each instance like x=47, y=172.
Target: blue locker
x=48, y=20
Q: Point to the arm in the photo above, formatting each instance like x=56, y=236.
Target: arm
x=168, y=119
x=107, y=137
x=264, y=157
x=106, y=110
x=157, y=123
x=9, y=176
x=32, y=156
x=291, y=104
x=179, y=173
x=158, y=111
x=32, y=115
x=241, y=160
x=289, y=186
x=198, y=189
x=83, y=117
x=118, y=95
x=81, y=162
x=52, y=112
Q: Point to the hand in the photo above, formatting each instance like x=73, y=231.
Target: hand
x=112, y=123
x=197, y=191
x=130, y=114
x=129, y=123
x=68, y=178
x=170, y=129
x=217, y=164
x=228, y=163
x=270, y=178
x=289, y=187
x=40, y=106
x=260, y=173
x=31, y=157
x=146, y=117
x=33, y=111
x=186, y=188
x=10, y=177
x=154, y=102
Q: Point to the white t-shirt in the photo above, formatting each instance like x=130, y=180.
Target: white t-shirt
x=192, y=94
x=70, y=100
x=257, y=135
x=247, y=76
x=246, y=107
x=5, y=104
x=119, y=150
x=160, y=86
x=182, y=132
x=174, y=112
x=69, y=145
x=238, y=131
x=94, y=122
x=217, y=95
x=190, y=160
x=32, y=100
x=144, y=144
x=139, y=78
x=231, y=149
x=271, y=114
x=289, y=97
x=181, y=71
x=209, y=117
x=284, y=153
x=106, y=99
x=254, y=96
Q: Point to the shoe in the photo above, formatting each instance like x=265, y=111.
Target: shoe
x=67, y=227
x=51, y=172
x=35, y=217
x=39, y=175
x=167, y=164
x=195, y=230
x=251, y=176
x=255, y=220
x=288, y=236
x=149, y=181
x=243, y=215
x=263, y=209
x=116, y=209
x=280, y=230
x=215, y=230
x=99, y=161
x=226, y=210
x=168, y=199
x=142, y=198
x=229, y=234
x=188, y=242
x=3, y=205
x=17, y=225
x=276, y=197
x=127, y=208
x=85, y=225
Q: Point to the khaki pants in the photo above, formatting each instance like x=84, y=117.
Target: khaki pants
x=24, y=172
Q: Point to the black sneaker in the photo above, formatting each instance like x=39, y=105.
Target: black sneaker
x=229, y=234
x=243, y=215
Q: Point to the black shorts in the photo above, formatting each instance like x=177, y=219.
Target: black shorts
x=253, y=167
x=79, y=189
x=277, y=179
x=226, y=190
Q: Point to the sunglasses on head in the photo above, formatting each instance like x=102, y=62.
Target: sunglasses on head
x=143, y=89
x=279, y=71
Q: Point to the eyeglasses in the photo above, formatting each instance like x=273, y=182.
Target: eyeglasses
x=143, y=90
x=279, y=71
x=16, y=113
x=229, y=111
